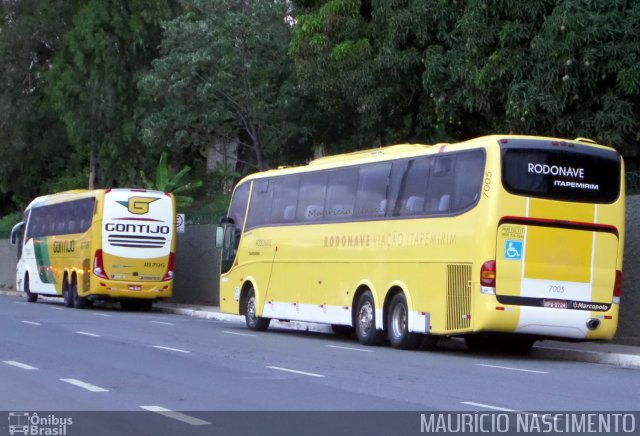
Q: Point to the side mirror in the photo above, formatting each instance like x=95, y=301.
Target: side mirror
x=16, y=233
x=219, y=236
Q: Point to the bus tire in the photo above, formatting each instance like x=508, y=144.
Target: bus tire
x=253, y=321
x=398, y=325
x=31, y=297
x=342, y=330
x=365, y=321
x=145, y=305
x=78, y=301
x=66, y=294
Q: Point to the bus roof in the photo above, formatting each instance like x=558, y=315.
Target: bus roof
x=76, y=194
x=403, y=151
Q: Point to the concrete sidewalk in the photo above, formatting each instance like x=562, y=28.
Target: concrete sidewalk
x=593, y=352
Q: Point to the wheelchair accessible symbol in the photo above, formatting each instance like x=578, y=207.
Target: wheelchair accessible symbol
x=513, y=250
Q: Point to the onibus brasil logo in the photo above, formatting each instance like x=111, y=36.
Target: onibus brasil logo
x=138, y=205
x=33, y=424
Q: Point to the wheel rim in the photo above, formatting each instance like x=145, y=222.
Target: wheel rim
x=399, y=320
x=251, y=309
x=365, y=317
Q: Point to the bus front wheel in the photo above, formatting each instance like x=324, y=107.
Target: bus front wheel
x=253, y=321
x=366, y=321
x=398, y=325
x=31, y=298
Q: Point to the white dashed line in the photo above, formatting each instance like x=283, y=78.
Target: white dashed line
x=56, y=308
x=512, y=369
x=31, y=322
x=171, y=349
x=161, y=322
x=488, y=406
x=19, y=365
x=84, y=385
x=101, y=314
x=175, y=415
x=20, y=302
x=350, y=348
x=236, y=333
x=310, y=374
x=88, y=334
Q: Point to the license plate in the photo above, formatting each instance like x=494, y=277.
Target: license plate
x=135, y=287
x=556, y=304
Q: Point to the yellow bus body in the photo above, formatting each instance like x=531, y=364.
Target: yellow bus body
x=555, y=263
x=109, y=245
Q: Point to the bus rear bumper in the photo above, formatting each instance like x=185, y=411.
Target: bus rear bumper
x=113, y=290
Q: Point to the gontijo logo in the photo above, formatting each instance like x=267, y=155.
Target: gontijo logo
x=138, y=205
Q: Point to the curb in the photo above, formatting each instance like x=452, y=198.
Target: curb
x=572, y=354
x=10, y=293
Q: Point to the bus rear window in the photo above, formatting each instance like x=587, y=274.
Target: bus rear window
x=561, y=171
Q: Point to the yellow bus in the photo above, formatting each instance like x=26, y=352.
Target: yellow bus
x=500, y=239
x=88, y=245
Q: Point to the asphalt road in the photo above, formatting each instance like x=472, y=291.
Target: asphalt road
x=58, y=359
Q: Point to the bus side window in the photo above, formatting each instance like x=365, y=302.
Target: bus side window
x=440, y=185
x=413, y=187
x=259, y=207
x=341, y=194
x=469, y=170
x=313, y=187
x=285, y=197
x=373, y=184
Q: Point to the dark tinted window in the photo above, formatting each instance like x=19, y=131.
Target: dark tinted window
x=260, y=206
x=61, y=219
x=371, y=198
x=285, y=199
x=313, y=187
x=238, y=208
x=341, y=194
x=561, y=171
x=413, y=187
x=441, y=184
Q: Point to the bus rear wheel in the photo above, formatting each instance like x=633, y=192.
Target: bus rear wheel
x=78, y=301
x=398, y=325
x=31, y=297
x=67, y=296
x=366, y=321
x=253, y=321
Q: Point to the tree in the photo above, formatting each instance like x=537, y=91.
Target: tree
x=93, y=83
x=166, y=183
x=34, y=157
x=222, y=79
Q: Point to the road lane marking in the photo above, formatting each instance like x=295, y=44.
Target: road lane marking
x=88, y=334
x=310, y=374
x=31, y=322
x=236, y=333
x=19, y=365
x=171, y=349
x=101, y=314
x=488, y=406
x=350, y=348
x=56, y=308
x=161, y=322
x=175, y=415
x=20, y=302
x=512, y=369
x=84, y=385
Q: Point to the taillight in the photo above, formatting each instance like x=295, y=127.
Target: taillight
x=488, y=277
x=98, y=265
x=170, y=268
x=617, y=287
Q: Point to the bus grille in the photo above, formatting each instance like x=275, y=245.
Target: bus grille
x=458, y=297
x=137, y=241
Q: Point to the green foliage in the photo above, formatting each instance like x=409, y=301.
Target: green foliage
x=222, y=77
x=7, y=222
x=93, y=83
x=175, y=184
